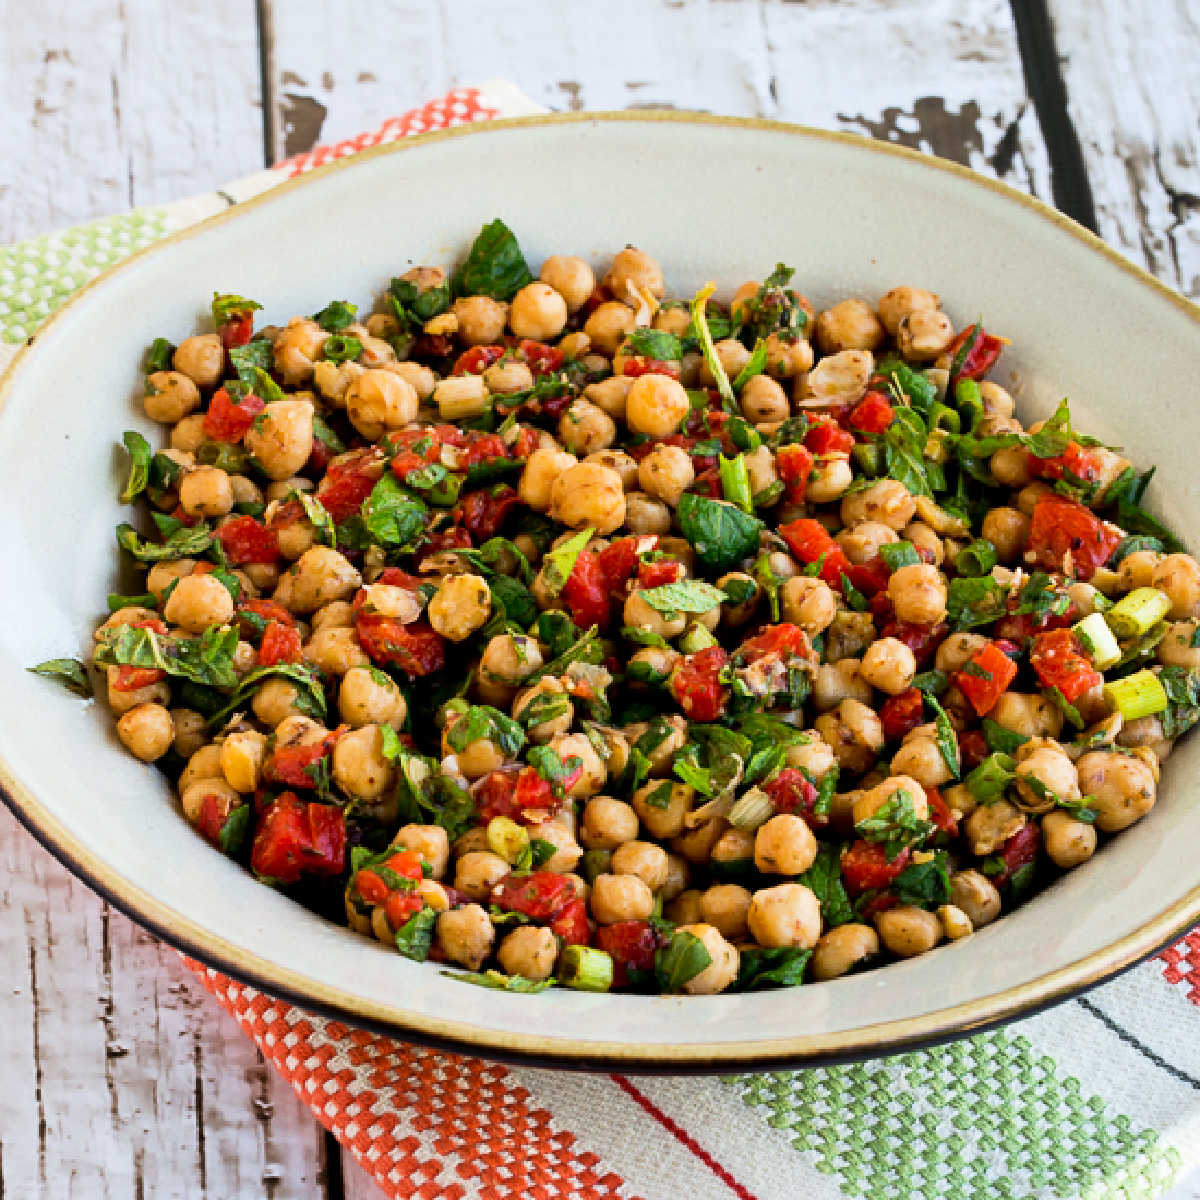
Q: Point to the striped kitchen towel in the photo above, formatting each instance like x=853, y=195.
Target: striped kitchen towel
x=1098, y=1098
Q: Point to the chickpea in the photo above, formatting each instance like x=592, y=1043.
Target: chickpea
x=201, y=359
x=188, y=435
x=887, y=502
x=918, y=594
x=162, y=574
x=841, y=950
x=872, y=800
x=281, y=437
x=666, y=473
x=430, y=842
x=297, y=348
x=726, y=907
x=607, y=823
x=732, y=356
x=634, y=270
x=835, y=682
x=723, y=967
x=1137, y=570
x=275, y=701
x=1052, y=769
x=170, y=396
x=784, y=845
x=204, y=763
x=620, y=898
x=623, y=464
x=338, y=614
x=507, y=660
x=360, y=767
x=537, y=312
x=146, y=731
x=1008, y=530
x=841, y=376
x=920, y=758
x=481, y=319
x=785, y=915
x=460, y=606
x=571, y=277
x=925, y=541
x=366, y=696
x=1010, y=466
x=807, y=602
x=205, y=492
x=1179, y=576
x=848, y=325
x=764, y=400
x=854, y=733
x=541, y=470
x=335, y=650
x=1030, y=716
x=545, y=691
x=685, y=909
x=378, y=401
x=788, y=357
x=192, y=798
x=907, y=931
x=586, y=428
x=976, y=895
x=1177, y=648
x=829, y=480
x=1067, y=841
x=198, y=602
x=862, y=543
x=991, y=825
x=529, y=951
x=465, y=935
x=897, y=304
x=477, y=872
x=1122, y=788
x=608, y=325
x=665, y=817
x=923, y=335
x=191, y=731
x=656, y=405
x=646, y=860
x=639, y=615
x=610, y=394
x=567, y=851
x=319, y=576
x=588, y=494
x=889, y=665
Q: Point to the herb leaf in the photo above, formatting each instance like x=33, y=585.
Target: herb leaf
x=494, y=265
x=721, y=534
x=782, y=966
x=182, y=543
x=681, y=960
x=391, y=515
x=140, y=455
x=560, y=562
x=686, y=596
x=414, y=938
x=70, y=672
x=824, y=878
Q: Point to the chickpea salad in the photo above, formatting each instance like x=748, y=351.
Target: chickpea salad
x=560, y=631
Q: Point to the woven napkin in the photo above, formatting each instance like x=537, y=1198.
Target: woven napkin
x=1098, y=1098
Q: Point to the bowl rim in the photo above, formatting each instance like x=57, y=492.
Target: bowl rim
x=274, y=979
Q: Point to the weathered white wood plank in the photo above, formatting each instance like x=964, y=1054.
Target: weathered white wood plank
x=109, y=105
x=122, y=1078
x=1134, y=95
x=943, y=75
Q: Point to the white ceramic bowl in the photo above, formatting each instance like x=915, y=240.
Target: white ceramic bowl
x=711, y=198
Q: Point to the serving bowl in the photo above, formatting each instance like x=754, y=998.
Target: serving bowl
x=711, y=198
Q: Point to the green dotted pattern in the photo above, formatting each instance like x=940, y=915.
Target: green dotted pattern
x=987, y=1116
x=37, y=275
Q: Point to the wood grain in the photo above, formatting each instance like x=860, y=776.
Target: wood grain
x=121, y=1075
x=943, y=75
x=1134, y=95
x=109, y=105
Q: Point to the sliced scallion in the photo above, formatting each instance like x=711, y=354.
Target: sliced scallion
x=735, y=482
x=751, y=810
x=1098, y=641
x=585, y=969
x=1137, y=612
x=1136, y=696
x=696, y=638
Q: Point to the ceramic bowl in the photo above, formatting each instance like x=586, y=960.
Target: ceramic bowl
x=711, y=198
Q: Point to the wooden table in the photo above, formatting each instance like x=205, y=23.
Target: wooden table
x=121, y=1079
